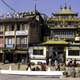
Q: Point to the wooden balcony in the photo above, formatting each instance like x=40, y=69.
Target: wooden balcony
x=21, y=46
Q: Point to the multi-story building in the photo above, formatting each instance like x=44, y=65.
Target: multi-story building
x=64, y=40
x=17, y=33
x=26, y=35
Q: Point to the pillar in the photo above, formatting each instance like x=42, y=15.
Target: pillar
x=66, y=54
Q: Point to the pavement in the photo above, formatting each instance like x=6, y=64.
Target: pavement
x=17, y=77
x=23, y=67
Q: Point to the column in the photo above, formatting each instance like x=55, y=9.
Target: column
x=3, y=56
x=50, y=51
x=66, y=54
x=15, y=34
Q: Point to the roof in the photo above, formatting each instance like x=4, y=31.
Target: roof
x=51, y=42
x=65, y=10
x=16, y=19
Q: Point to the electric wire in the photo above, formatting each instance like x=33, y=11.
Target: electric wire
x=8, y=6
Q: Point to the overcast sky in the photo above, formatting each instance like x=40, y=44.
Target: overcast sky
x=44, y=6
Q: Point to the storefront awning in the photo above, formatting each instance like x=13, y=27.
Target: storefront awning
x=52, y=42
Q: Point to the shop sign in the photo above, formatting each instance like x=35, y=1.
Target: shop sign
x=9, y=33
x=22, y=32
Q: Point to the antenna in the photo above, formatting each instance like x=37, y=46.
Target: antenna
x=35, y=2
x=65, y=4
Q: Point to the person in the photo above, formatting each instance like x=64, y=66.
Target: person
x=43, y=66
x=37, y=68
x=56, y=64
x=70, y=63
x=19, y=66
x=28, y=66
x=74, y=63
x=22, y=61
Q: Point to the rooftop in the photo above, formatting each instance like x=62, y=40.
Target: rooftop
x=65, y=10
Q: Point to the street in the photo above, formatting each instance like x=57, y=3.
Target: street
x=17, y=77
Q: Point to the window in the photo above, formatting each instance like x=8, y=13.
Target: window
x=9, y=41
x=7, y=27
x=18, y=40
x=22, y=27
x=26, y=26
x=18, y=27
x=73, y=53
x=1, y=28
x=21, y=40
x=11, y=27
x=1, y=40
x=37, y=52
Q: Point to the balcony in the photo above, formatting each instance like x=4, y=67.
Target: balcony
x=21, y=46
x=9, y=33
x=59, y=27
x=9, y=45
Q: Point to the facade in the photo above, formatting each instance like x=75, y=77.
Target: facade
x=37, y=54
x=29, y=37
x=17, y=33
x=64, y=40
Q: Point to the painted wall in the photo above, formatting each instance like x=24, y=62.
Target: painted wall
x=1, y=43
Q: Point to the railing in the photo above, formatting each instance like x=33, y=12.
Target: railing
x=21, y=45
x=63, y=19
x=9, y=45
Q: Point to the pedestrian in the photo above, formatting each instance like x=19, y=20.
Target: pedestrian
x=74, y=63
x=43, y=66
x=56, y=64
x=70, y=63
x=19, y=66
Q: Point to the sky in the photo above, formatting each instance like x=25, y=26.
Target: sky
x=43, y=6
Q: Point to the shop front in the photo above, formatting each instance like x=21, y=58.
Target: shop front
x=73, y=53
x=37, y=54
x=21, y=57
x=56, y=51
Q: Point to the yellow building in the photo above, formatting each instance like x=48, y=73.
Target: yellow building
x=63, y=43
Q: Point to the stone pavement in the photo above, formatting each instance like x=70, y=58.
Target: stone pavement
x=17, y=77
x=23, y=67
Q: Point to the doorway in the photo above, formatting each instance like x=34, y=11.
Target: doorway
x=58, y=55
x=8, y=58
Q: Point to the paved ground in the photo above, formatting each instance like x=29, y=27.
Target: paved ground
x=23, y=67
x=17, y=77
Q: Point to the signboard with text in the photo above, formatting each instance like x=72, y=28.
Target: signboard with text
x=22, y=32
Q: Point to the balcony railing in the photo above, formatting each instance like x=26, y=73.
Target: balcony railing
x=9, y=45
x=21, y=46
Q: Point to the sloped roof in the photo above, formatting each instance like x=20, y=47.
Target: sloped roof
x=65, y=10
x=51, y=42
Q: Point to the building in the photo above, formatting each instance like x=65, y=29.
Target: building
x=63, y=43
x=17, y=33
x=29, y=36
